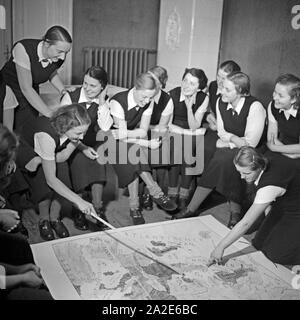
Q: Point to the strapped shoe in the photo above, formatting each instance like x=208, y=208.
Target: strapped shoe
x=146, y=201
x=46, y=231
x=59, y=228
x=101, y=214
x=165, y=203
x=80, y=221
x=137, y=217
x=185, y=213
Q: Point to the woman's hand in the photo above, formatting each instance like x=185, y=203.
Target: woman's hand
x=119, y=134
x=86, y=207
x=154, y=143
x=28, y=267
x=31, y=279
x=11, y=167
x=212, y=121
x=9, y=219
x=216, y=255
x=90, y=153
x=102, y=96
x=273, y=144
x=222, y=144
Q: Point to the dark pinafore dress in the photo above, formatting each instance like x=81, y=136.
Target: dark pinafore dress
x=288, y=133
x=25, y=114
x=129, y=170
x=221, y=173
x=39, y=189
x=84, y=171
x=278, y=236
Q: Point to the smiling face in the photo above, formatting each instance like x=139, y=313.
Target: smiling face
x=58, y=50
x=77, y=133
x=229, y=92
x=282, y=98
x=92, y=87
x=143, y=97
x=189, y=85
x=247, y=173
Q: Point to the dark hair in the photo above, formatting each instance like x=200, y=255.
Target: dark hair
x=99, y=74
x=68, y=117
x=145, y=81
x=8, y=148
x=293, y=83
x=249, y=157
x=57, y=33
x=198, y=73
x=241, y=82
x=160, y=74
x=229, y=66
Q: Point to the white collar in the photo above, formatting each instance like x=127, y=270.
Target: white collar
x=258, y=178
x=239, y=106
x=157, y=97
x=62, y=139
x=83, y=99
x=290, y=112
x=218, y=91
x=183, y=97
x=44, y=61
x=130, y=99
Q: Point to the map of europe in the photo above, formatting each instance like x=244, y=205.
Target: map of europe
x=164, y=261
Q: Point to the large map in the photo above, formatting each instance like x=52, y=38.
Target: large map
x=163, y=261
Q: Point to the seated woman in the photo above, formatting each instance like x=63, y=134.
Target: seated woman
x=190, y=105
x=284, y=119
x=131, y=111
x=162, y=112
x=241, y=121
x=54, y=140
x=22, y=279
x=277, y=185
x=87, y=173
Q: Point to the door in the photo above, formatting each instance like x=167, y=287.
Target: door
x=5, y=30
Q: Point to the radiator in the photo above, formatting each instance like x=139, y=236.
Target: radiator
x=121, y=64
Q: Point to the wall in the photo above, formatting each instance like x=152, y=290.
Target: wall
x=263, y=37
x=189, y=36
x=31, y=19
x=117, y=23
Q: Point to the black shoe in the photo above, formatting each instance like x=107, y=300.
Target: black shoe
x=185, y=213
x=80, y=221
x=165, y=203
x=101, y=214
x=60, y=229
x=46, y=231
x=182, y=203
x=235, y=217
x=137, y=217
x=146, y=201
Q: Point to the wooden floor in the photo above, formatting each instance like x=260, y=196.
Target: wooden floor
x=117, y=212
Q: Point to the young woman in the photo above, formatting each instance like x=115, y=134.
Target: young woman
x=162, y=112
x=241, y=121
x=190, y=105
x=284, y=119
x=34, y=61
x=132, y=111
x=54, y=140
x=277, y=185
x=87, y=173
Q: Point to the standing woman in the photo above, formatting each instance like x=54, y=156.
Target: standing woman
x=54, y=140
x=240, y=121
x=190, y=105
x=85, y=172
x=132, y=111
x=277, y=185
x=284, y=119
x=33, y=62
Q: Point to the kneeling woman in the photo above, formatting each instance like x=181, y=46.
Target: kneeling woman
x=54, y=140
x=277, y=184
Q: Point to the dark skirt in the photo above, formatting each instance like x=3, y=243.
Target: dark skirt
x=289, y=162
x=85, y=172
x=210, y=141
x=278, y=237
x=222, y=175
x=130, y=161
x=39, y=189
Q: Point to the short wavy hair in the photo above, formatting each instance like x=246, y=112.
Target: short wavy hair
x=69, y=117
x=160, y=74
x=145, y=81
x=99, y=74
x=293, y=84
x=199, y=74
x=249, y=157
x=241, y=82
